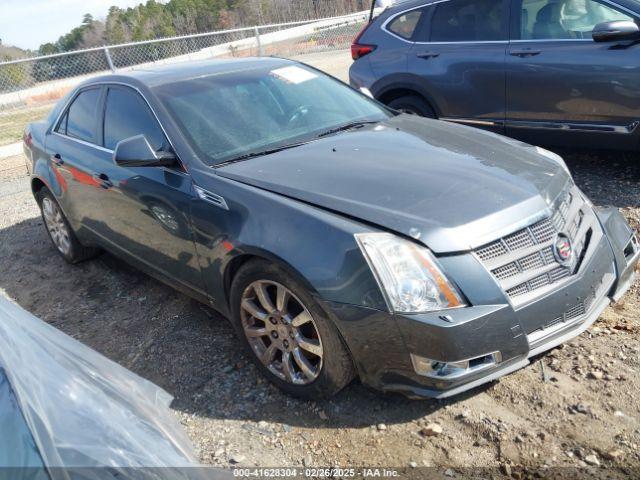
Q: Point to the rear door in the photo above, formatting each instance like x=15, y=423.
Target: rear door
x=73, y=147
x=459, y=54
x=563, y=87
x=144, y=210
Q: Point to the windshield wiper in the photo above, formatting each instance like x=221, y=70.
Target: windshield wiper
x=261, y=153
x=347, y=126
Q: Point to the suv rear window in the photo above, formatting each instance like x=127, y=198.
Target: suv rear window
x=468, y=21
x=405, y=25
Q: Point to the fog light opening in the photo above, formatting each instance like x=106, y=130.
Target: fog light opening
x=447, y=370
x=631, y=248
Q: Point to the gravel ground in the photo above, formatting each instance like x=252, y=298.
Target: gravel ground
x=586, y=414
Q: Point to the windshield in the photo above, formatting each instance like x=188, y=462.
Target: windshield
x=237, y=114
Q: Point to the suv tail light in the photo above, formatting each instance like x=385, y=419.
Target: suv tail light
x=359, y=50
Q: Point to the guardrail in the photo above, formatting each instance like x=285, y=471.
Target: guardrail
x=37, y=80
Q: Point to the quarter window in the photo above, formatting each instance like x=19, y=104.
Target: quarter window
x=564, y=19
x=80, y=119
x=468, y=21
x=405, y=25
x=127, y=115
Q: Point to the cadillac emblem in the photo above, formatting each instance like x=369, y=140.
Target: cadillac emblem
x=562, y=249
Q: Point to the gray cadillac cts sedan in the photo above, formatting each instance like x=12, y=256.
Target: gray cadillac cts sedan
x=342, y=239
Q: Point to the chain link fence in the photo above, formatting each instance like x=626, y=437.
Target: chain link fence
x=38, y=80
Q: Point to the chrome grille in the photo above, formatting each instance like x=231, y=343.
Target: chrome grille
x=519, y=240
x=543, y=231
x=523, y=262
x=493, y=250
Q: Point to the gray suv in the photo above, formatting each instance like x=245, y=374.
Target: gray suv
x=554, y=72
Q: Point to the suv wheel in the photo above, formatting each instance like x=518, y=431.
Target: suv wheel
x=412, y=104
x=59, y=230
x=288, y=335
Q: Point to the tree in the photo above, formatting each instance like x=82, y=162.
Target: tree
x=154, y=19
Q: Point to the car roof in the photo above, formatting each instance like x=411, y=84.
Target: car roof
x=154, y=75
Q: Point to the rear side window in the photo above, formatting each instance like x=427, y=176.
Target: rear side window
x=127, y=115
x=405, y=25
x=468, y=21
x=80, y=119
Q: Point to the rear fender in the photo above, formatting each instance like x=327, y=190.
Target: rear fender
x=405, y=81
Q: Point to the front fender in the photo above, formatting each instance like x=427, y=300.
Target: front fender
x=317, y=246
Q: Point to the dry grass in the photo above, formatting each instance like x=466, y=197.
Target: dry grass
x=12, y=122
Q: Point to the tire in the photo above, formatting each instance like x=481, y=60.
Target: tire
x=332, y=369
x=412, y=104
x=60, y=232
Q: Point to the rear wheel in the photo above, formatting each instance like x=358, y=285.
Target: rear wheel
x=59, y=230
x=412, y=104
x=288, y=335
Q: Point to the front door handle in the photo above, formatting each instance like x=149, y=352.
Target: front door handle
x=57, y=159
x=103, y=180
x=427, y=55
x=525, y=52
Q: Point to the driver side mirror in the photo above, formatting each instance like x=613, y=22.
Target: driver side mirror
x=137, y=152
x=613, y=31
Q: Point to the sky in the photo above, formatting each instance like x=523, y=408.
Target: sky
x=30, y=23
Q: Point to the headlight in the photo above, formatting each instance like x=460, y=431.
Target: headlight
x=555, y=157
x=408, y=274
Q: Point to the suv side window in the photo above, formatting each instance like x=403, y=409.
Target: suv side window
x=468, y=21
x=126, y=114
x=405, y=25
x=564, y=19
x=80, y=119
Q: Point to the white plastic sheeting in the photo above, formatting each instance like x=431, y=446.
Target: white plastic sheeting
x=84, y=410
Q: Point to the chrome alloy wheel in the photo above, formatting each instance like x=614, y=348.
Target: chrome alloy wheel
x=56, y=225
x=281, y=332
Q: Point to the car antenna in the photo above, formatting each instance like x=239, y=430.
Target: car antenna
x=373, y=6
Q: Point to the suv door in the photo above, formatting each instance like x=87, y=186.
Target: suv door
x=459, y=54
x=144, y=210
x=564, y=88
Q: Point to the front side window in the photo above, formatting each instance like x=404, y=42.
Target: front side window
x=80, y=119
x=126, y=115
x=564, y=19
x=468, y=21
x=225, y=116
x=405, y=25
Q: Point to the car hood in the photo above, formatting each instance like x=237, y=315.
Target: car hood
x=449, y=186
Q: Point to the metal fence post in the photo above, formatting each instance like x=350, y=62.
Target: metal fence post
x=257, y=33
x=109, y=61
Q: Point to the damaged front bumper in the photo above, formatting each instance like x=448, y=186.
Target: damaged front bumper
x=441, y=354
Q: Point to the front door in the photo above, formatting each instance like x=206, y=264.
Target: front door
x=560, y=82
x=459, y=54
x=145, y=210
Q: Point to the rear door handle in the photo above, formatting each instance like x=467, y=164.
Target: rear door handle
x=427, y=55
x=57, y=159
x=103, y=180
x=525, y=52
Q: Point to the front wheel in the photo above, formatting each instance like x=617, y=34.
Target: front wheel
x=287, y=334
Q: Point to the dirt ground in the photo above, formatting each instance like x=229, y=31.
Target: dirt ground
x=585, y=415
